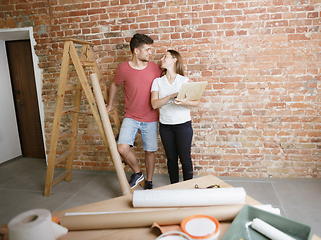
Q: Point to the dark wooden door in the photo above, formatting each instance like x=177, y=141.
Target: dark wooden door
x=25, y=98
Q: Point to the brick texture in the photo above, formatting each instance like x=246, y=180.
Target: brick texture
x=260, y=115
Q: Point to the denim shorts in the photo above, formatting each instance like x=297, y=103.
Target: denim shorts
x=148, y=130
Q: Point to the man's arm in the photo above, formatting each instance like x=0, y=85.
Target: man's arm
x=112, y=94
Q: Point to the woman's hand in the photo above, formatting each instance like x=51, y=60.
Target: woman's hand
x=183, y=102
x=174, y=95
x=157, y=102
x=186, y=102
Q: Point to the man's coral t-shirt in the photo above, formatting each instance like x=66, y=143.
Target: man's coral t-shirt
x=137, y=85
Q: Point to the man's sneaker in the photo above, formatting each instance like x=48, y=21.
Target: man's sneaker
x=148, y=185
x=135, y=179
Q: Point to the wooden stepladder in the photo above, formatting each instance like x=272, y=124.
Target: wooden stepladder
x=70, y=56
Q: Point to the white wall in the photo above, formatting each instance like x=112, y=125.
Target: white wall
x=9, y=136
x=11, y=35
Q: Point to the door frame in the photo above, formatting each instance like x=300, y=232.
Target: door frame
x=23, y=34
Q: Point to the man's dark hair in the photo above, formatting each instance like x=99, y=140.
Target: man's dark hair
x=138, y=40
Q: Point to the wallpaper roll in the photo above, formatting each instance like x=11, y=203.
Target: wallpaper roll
x=189, y=197
x=167, y=216
x=35, y=224
x=110, y=136
x=269, y=231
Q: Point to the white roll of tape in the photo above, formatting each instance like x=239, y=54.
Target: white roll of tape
x=201, y=227
x=173, y=235
x=35, y=224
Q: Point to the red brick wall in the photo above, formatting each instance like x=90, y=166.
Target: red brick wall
x=260, y=114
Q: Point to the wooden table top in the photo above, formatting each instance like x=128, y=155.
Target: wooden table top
x=124, y=203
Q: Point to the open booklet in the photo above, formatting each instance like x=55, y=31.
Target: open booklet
x=192, y=90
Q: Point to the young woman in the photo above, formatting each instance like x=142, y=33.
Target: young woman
x=175, y=126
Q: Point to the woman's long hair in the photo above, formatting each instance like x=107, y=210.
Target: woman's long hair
x=179, y=67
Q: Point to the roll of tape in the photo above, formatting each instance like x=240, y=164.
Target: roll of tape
x=173, y=235
x=201, y=227
x=35, y=224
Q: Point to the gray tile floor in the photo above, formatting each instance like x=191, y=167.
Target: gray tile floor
x=22, y=183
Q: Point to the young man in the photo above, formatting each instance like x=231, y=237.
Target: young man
x=137, y=75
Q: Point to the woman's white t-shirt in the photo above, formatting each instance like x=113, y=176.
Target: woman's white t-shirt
x=171, y=113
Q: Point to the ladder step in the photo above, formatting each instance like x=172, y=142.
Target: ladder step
x=87, y=63
x=60, y=177
x=68, y=111
x=62, y=157
x=75, y=41
x=71, y=87
x=65, y=134
x=112, y=111
x=103, y=88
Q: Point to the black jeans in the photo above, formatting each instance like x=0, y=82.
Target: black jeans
x=177, y=140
